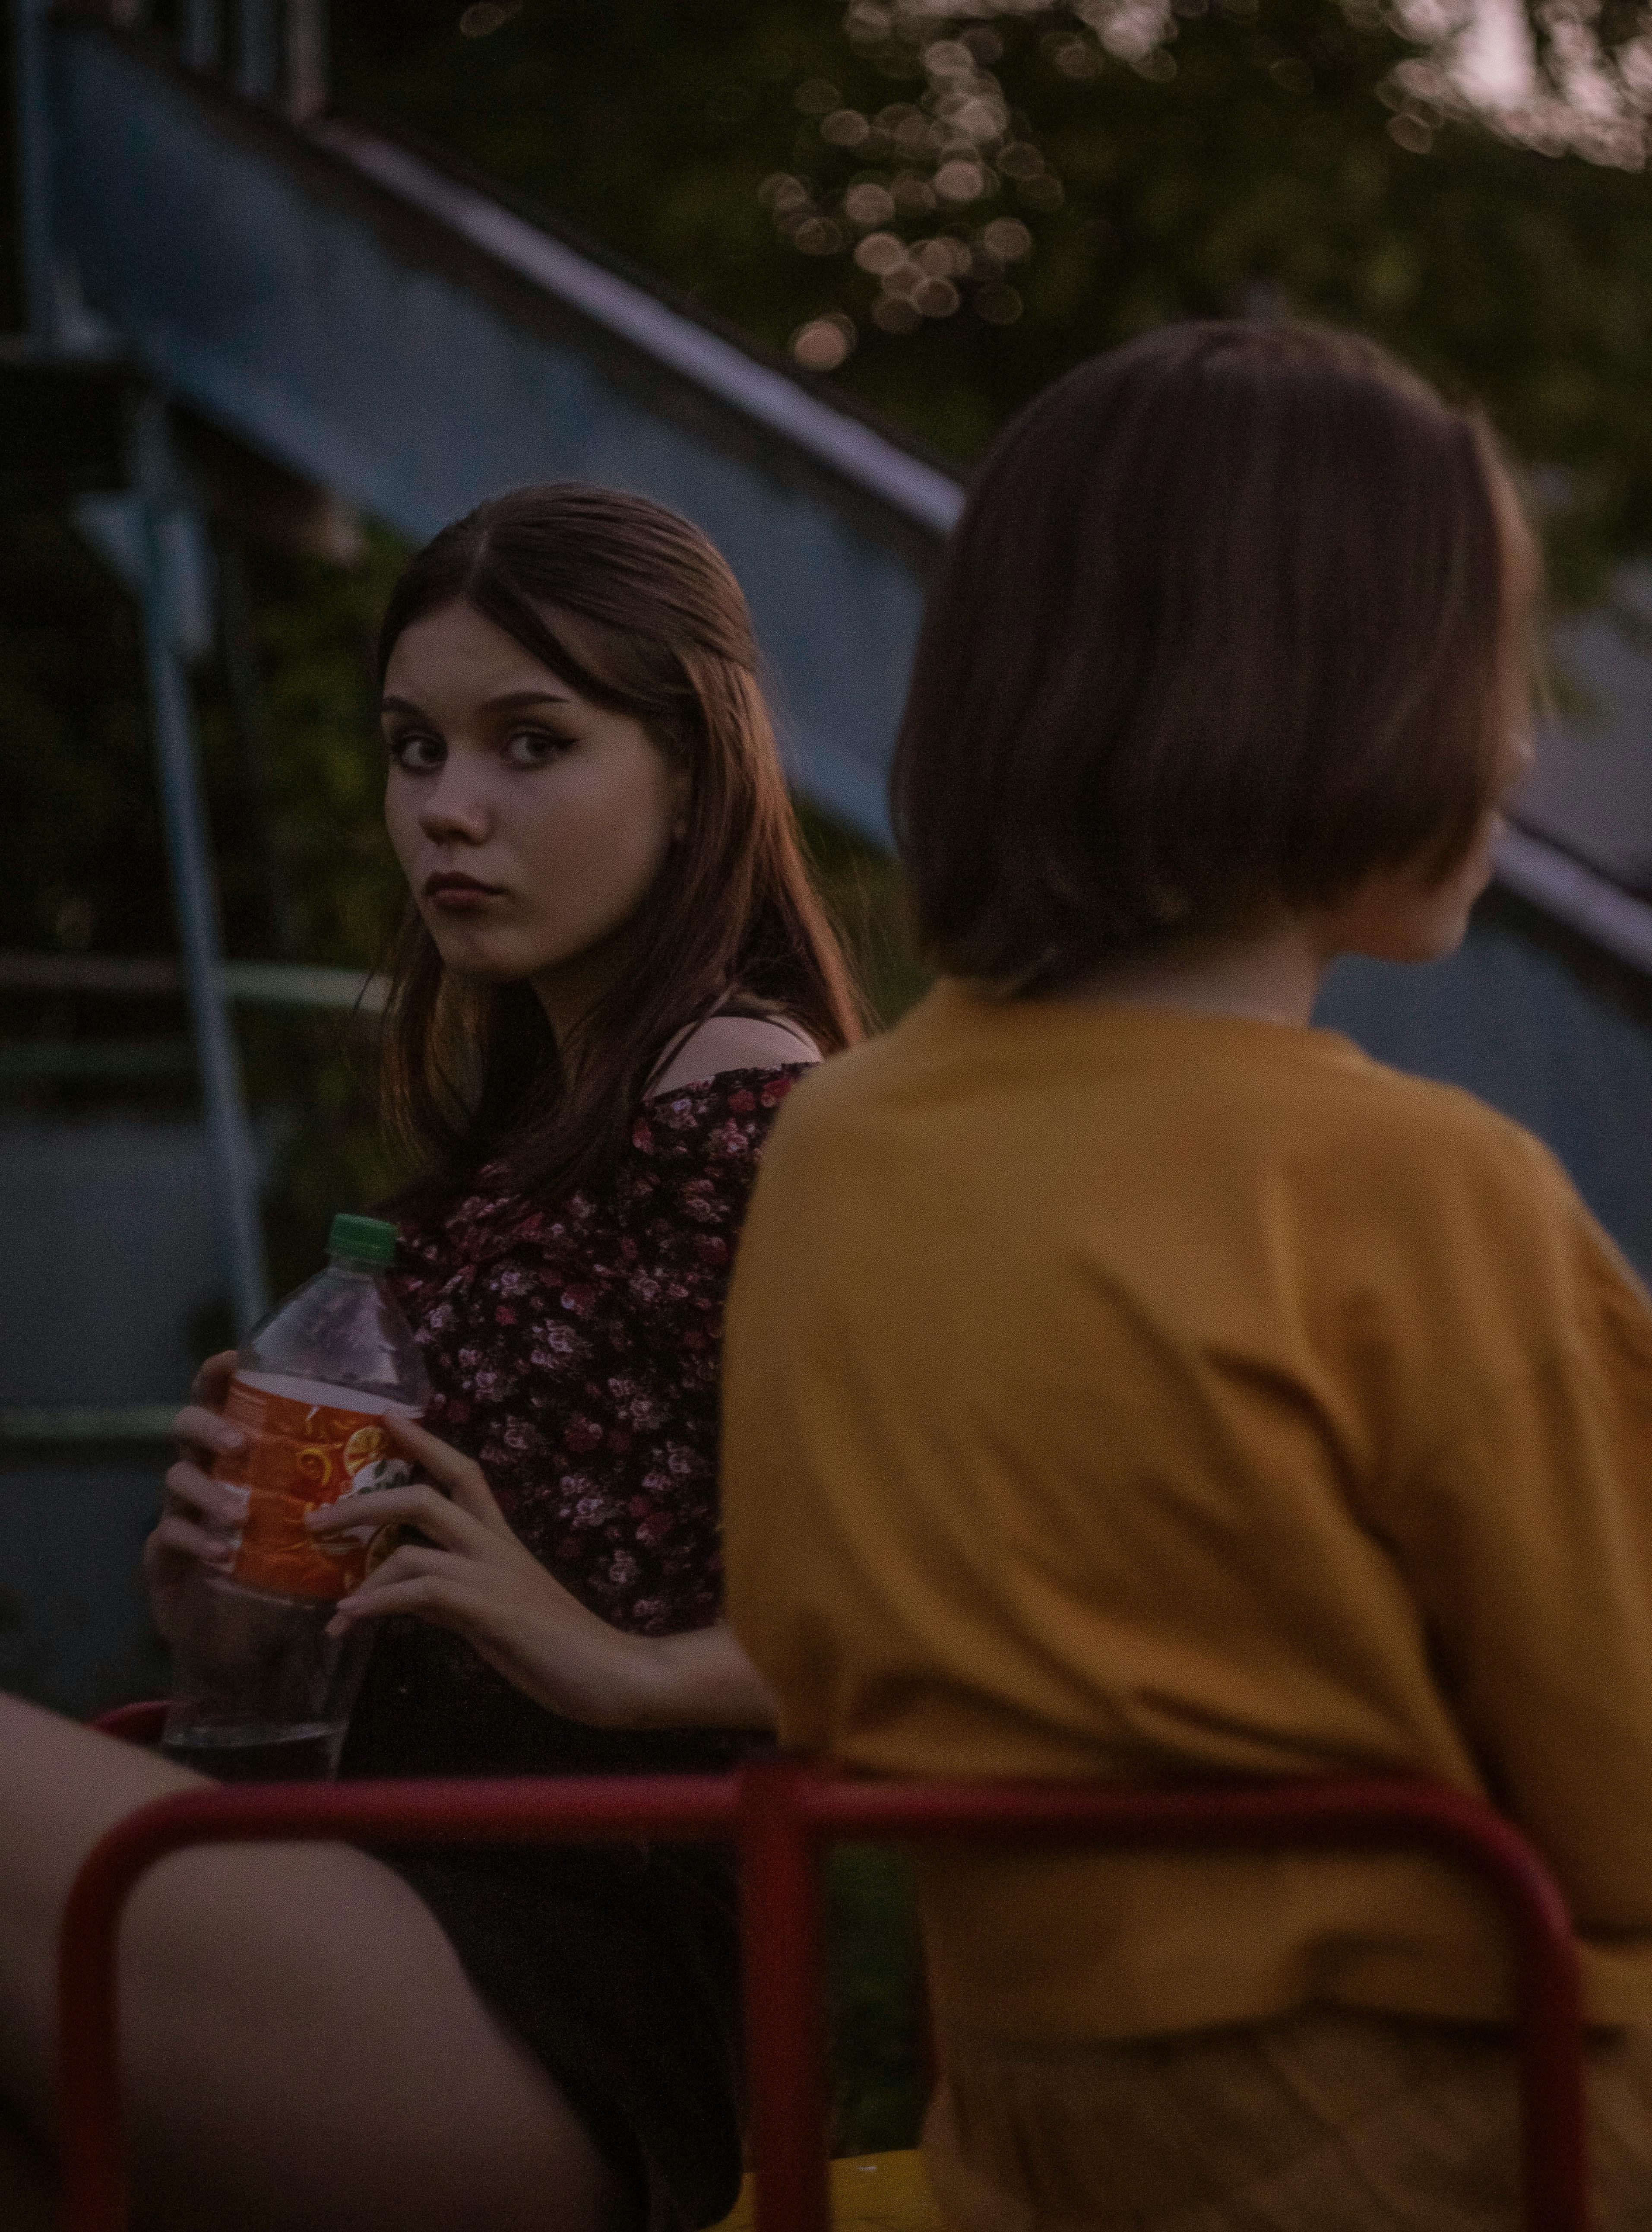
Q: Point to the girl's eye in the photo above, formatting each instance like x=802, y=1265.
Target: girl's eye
x=415, y=752
x=532, y=748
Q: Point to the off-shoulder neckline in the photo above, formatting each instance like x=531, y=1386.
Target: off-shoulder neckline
x=700, y=1085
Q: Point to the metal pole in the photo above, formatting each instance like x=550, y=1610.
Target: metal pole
x=257, y=57
x=230, y=1162
x=305, y=59
x=34, y=167
x=202, y=35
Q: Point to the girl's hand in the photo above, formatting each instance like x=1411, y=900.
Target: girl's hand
x=200, y=1515
x=473, y=1576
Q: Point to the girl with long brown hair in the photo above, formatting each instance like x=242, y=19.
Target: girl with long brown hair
x=612, y=971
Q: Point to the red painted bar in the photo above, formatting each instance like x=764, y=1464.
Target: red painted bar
x=781, y=1812
x=780, y=1934
x=135, y=1724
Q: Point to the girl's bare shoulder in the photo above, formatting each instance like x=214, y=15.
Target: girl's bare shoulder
x=724, y=1042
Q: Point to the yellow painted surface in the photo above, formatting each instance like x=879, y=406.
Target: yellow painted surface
x=870, y=2193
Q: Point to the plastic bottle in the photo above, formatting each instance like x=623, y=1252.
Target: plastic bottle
x=261, y=1692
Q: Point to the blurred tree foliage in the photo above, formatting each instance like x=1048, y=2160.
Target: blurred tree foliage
x=782, y=165
x=78, y=845
x=292, y=770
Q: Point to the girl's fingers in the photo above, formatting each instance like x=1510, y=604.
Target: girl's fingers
x=219, y=1502
x=204, y=1429
x=406, y=1563
x=418, y=1505
x=181, y=1536
x=212, y=1383
x=435, y=1596
x=461, y=1476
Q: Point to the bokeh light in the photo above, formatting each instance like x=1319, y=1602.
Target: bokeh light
x=824, y=342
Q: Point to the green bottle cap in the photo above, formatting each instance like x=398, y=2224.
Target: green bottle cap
x=363, y=1239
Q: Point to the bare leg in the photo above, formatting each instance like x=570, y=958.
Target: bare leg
x=299, y=2044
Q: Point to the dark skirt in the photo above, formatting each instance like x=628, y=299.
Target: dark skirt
x=617, y=1965
x=617, y=1968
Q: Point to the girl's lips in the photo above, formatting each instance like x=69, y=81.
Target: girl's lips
x=458, y=891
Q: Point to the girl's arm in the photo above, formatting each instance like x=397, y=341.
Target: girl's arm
x=471, y=1574
x=702, y=1679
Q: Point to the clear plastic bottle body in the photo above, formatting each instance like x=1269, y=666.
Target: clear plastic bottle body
x=344, y=1329
x=261, y=1691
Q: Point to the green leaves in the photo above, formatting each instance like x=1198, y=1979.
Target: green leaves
x=943, y=212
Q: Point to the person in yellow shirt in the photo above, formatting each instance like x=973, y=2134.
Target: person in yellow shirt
x=1126, y=1380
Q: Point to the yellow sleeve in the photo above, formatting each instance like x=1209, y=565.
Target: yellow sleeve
x=1526, y=1541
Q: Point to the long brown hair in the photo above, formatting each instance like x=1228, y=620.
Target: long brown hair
x=630, y=605
x=1235, y=614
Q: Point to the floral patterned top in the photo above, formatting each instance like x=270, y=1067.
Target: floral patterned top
x=573, y=1349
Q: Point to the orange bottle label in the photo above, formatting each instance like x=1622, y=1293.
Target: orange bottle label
x=299, y=1455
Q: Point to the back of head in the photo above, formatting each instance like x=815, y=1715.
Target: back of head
x=1233, y=618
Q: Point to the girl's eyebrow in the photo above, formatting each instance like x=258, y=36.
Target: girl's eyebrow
x=509, y=701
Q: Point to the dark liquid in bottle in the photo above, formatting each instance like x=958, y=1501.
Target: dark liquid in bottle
x=303, y=1754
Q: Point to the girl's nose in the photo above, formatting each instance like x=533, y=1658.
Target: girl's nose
x=454, y=807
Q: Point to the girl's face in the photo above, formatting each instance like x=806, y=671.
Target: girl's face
x=530, y=823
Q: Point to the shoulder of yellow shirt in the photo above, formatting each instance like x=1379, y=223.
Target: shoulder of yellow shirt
x=1381, y=1104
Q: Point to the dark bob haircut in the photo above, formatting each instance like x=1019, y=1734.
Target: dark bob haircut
x=1235, y=616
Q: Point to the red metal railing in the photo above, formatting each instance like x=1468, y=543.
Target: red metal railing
x=135, y=1724
x=781, y=1813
